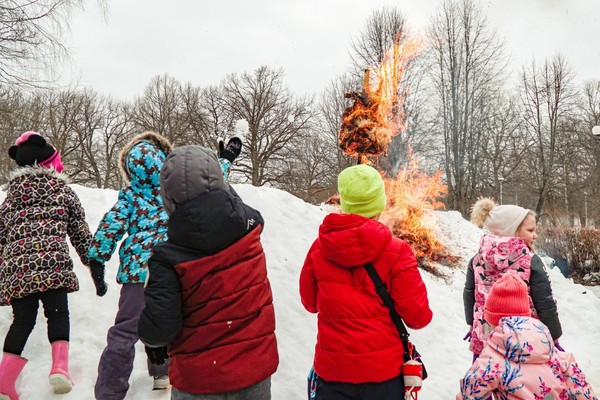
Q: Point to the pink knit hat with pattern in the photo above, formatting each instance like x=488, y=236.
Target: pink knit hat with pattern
x=507, y=298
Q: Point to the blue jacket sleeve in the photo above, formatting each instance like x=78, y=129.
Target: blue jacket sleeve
x=162, y=317
x=112, y=228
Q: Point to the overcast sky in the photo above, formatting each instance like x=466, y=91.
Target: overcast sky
x=202, y=41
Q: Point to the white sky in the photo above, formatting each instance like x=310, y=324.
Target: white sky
x=202, y=41
x=290, y=227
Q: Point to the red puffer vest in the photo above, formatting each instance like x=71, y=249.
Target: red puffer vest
x=357, y=341
x=228, y=321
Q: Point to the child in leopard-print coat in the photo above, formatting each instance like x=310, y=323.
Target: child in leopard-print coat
x=39, y=211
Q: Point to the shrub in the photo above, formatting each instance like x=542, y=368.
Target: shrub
x=579, y=246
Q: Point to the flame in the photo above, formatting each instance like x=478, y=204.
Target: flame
x=368, y=126
x=412, y=195
x=377, y=113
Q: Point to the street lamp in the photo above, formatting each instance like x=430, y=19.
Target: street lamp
x=500, y=180
x=585, y=207
x=596, y=132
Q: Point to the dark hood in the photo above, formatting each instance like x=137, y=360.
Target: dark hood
x=188, y=172
x=212, y=221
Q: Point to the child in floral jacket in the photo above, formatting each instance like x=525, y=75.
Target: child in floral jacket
x=519, y=359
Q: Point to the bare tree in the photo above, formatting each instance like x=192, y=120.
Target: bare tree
x=15, y=115
x=277, y=122
x=31, y=34
x=467, y=61
x=384, y=29
x=307, y=174
x=168, y=109
x=60, y=119
x=331, y=108
x=547, y=97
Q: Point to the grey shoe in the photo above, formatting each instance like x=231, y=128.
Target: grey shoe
x=161, y=382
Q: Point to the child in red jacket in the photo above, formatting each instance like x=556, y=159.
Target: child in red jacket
x=359, y=352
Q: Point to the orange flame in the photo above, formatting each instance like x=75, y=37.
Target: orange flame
x=412, y=195
x=377, y=113
x=368, y=126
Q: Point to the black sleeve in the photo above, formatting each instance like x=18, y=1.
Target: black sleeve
x=469, y=294
x=543, y=300
x=252, y=216
x=161, y=319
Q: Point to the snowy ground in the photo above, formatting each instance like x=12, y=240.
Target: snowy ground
x=291, y=226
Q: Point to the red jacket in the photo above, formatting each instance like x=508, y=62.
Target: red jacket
x=357, y=341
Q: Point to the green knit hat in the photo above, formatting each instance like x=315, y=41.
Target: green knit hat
x=362, y=191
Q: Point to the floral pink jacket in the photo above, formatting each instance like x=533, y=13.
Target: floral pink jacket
x=496, y=255
x=519, y=361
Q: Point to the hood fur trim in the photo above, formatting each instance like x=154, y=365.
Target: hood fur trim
x=35, y=170
x=157, y=140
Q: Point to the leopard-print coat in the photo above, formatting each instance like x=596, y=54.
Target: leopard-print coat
x=39, y=211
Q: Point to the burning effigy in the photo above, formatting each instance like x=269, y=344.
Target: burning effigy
x=367, y=129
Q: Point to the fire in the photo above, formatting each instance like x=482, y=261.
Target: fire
x=377, y=113
x=367, y=129
x=412, y=195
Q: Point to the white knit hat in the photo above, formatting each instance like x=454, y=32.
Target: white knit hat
x=505, y=219
x=498, y=220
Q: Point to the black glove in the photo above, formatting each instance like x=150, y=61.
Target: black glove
x=97, y=270
x=157, y=355
x=232, y=150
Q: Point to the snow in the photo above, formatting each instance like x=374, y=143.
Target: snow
x=290, y=227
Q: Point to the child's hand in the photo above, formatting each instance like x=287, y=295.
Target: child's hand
x=157, y=355
x=97, y=270
x=232, y=150
x=558, y=346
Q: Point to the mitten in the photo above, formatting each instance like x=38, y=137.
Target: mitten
x=157, y=355
x=97, y=271
x=557, y=346
x=467, y=336
x=232, y=150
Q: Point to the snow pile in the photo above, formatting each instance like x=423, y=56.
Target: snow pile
x=290, y=227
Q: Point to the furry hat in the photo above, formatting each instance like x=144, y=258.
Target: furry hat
x=32, y=149
x=501, y=220
x=507, y=298
x=362, y=191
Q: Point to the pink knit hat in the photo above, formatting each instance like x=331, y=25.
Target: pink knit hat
x=508, y=298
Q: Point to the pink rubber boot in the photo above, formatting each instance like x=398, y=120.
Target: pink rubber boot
x=10, y=369
x=59, y=374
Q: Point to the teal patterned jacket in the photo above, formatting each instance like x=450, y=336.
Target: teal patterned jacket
x=138, y=213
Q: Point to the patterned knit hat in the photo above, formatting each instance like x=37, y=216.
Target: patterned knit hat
x=508, y=298
x=362, y=191
x=32, y=149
